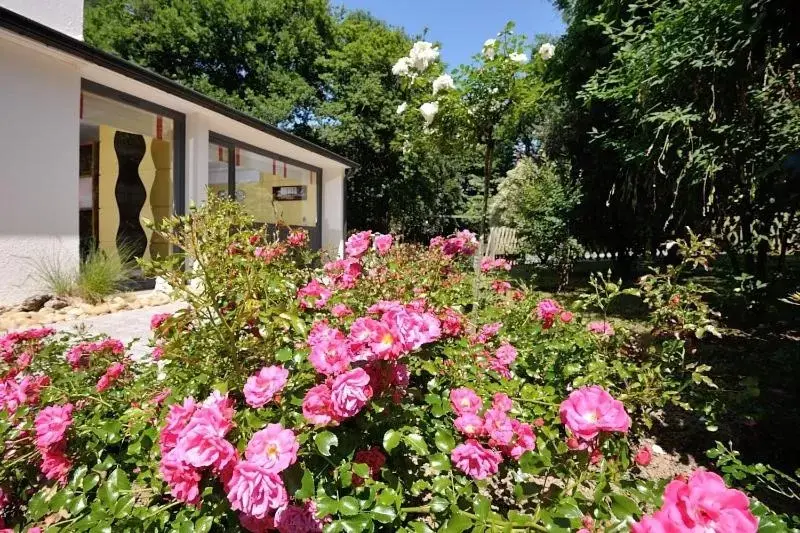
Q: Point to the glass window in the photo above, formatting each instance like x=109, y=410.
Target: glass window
x=126, y=175
x=270, y=189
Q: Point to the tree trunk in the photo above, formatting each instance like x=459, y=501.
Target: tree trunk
x=487, y=177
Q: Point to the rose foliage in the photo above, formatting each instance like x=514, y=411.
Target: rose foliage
x=367, y=393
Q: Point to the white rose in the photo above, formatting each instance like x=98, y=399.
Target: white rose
x=443, y=82
x=488, y=48
x=401, y=108
x=546, y=51
x=422, y=55
x=402, y=66
x=429, y=110
x=517, y=57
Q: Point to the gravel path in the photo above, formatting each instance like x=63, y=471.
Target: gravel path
x=126, y=326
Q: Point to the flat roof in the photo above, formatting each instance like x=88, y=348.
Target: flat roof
x=26, y=27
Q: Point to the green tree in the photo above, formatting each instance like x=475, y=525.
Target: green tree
x=256, y=55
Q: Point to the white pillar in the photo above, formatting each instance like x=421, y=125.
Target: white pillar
x=333, y=198
x=196, y=158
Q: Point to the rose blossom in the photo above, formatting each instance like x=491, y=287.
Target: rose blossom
x=51, y=424
x=383, y=243
x=296, y=519
x=313, y=294
x=655, y=523
x=589, y=410
x=475, y=460
x=546, y=311
x=55, y=464
x=465, y=401
x=469, y=424
x=182, y=479
x=341, y=310
x=566, y=317
x=317, y=405
x=600, y=327
x=273, y=448
x=358, y=243
x=262, y=387
x=158, y=319
x=498, y=426
x=643, y=456
x=297, y=237
x=177, y=419
x=524, y=439
x=373, y=458
x=201, y=446
x=704, y=503
x=501, y=402
x=330, y=352
x=350, y=392
x=255, y=491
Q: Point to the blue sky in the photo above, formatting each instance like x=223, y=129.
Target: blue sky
x=462, y=25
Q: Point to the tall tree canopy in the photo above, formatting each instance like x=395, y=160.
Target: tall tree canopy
x=257, y=55
x=676, y=113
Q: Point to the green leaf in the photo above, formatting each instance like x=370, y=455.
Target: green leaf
x=439, y=461
x=444, y=441
x=325, y=441
x=391, y=439
x=481, y=506
x=349, y=506
x=384, y=514
x=623, y=507
x=203, y=524
x=361, y=470
x=357, y=524
x=306, y=489
x=124, y=506
x=417, y=443
x=90, y=481
x=457, y=523
x=327, y=505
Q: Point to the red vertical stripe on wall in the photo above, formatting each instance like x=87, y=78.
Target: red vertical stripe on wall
x=220, y=155
x=159, y=127
x=238, y=158
x=284, y=170
x=274, y=168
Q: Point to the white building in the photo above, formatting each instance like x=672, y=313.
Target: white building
x=92, y=144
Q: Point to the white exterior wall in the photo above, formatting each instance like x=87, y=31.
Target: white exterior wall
x=39, y=106
x=196, y=158
x=65, y=16
x=333, y=205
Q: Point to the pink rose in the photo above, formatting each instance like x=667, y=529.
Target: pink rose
x=51, y=424
x=158, y=319
x=469, y=424
x=177, y=419
x=103, y=383
x=55, y=464
x=202, y=446
x=255, y=491
x=296, y=519
x=475, y=460
x=500, y=286
x=465, y=401
x=600, y=327
x=657, y=523
x=498, y=426
x=318, y=406
x=330, y=353
x=314, y=294
x=591, y=410
x=350, y=392
x=257, y=525
x=115, y=370
x=704, y=503
x=452, y=322
x=262, y=387
x=524, y=439
x=643, y=456
x=273, y=448
x=358, y=243
x=501, y=402
x=546, y=311
x=506, y=354
x=341, y=310
x=383, y=243
x=566, y=317
x=183, y=480
x=297, y=237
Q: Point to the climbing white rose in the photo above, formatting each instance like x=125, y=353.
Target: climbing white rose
x=402, y=66
x=401, y=108
x=488, y=48
x=443, y=82
x=429, y=110
x=547, y=50
x=422, y=55
x=517, y=57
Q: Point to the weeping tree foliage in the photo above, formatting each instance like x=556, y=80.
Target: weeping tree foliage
x=681, y=113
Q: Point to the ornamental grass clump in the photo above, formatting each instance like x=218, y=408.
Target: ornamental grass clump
x=362, y=393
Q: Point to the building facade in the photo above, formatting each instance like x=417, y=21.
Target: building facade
x=93, y=145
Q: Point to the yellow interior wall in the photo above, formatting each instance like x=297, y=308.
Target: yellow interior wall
x=258, y=201
x=155, y=171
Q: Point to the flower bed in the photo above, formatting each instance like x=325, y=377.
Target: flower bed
x=372, y=393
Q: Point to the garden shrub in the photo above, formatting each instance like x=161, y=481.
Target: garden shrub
x=367, y=393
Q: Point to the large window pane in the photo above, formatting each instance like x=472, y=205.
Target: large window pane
x=218, y=168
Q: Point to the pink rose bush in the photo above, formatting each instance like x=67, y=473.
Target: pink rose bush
x=600, y=327
x=370, y=392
